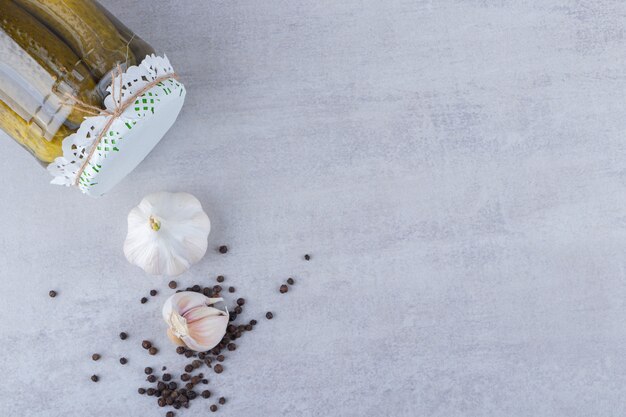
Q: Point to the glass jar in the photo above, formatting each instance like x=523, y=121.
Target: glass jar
x=58, y=59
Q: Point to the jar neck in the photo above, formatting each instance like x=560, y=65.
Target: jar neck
x=105, y=82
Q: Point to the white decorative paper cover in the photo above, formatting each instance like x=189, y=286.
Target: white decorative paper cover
x=130, y=136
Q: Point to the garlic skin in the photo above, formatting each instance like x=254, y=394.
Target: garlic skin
x=167, y=233
x=193, y=322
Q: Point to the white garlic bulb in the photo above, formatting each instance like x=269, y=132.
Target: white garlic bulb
x=167, y=233
x=193, y=322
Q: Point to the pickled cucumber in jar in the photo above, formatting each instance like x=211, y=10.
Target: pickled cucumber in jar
x=99, y=39
x=57, y=62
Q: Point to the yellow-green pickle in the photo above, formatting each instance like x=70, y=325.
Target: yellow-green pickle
x=57, y=59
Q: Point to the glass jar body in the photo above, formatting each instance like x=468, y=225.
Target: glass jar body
x=53, y=55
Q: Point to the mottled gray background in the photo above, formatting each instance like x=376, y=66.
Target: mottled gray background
x=456, y=168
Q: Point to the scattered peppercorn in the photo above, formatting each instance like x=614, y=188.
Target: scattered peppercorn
x=284, y=289
x=307, y=257
x=144, y=300
x=94, y=378
x=166, y=390
x=95, y=356
x=123, y=335
x=52, y=293
x=123, y=361
x=223, y=249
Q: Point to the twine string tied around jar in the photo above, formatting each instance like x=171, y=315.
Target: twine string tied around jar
x=120, y=107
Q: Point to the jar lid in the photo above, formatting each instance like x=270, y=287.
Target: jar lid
x=110, y=145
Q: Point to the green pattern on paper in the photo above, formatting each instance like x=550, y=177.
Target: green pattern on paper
x=144, y=105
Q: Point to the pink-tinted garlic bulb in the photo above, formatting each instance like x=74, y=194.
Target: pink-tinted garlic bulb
x=193, y=322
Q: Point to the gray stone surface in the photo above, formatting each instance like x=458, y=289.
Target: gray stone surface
x=456, y=168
